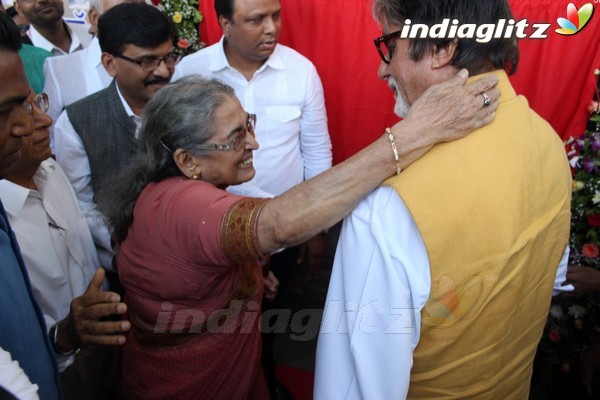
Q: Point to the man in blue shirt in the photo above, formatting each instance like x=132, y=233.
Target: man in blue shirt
x=22, y=327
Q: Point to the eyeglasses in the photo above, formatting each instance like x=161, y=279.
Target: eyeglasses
x=387, y=50
x=237, y=142
x=148, y=64
x=40, y=101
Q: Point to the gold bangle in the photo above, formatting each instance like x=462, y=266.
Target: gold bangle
x=394, y=149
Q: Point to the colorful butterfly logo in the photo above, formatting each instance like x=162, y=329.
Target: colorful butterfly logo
x=576, y=19
x=453, y=301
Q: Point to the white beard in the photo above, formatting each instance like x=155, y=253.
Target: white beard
x=401, y=108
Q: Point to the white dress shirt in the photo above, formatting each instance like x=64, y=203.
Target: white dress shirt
x=286, y=95
x=372, y=316
x=80, y=38
x=14, y=379
x=72, y=77
x=72, y=157
x=54, y=238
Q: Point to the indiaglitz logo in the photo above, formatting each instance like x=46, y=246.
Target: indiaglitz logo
x=576, y=19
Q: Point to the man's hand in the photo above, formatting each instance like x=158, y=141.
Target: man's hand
x=271, y=286
x=586, y=280
x=83, y=326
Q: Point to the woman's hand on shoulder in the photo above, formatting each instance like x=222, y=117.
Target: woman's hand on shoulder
x=451, y=109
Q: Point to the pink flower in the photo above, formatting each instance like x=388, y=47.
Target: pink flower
x=593, y=107
x=590, y=250
x=183, y=44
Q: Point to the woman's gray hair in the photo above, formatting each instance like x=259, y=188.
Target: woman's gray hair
x=179, y=116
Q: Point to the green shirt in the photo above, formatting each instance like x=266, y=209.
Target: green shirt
x=33, y=61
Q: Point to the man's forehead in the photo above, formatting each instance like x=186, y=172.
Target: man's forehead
x=160, y=50
x=13, y=82
x=256, y=6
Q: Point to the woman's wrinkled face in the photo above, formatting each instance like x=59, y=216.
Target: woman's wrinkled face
x=225, y=168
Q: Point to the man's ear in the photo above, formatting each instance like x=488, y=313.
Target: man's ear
x=442, y=56
x=93, y=16
x=109, y=63
x=18, y=8
x=225, y=25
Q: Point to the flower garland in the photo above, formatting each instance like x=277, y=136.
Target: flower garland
x=186, y=18
x=573, y=321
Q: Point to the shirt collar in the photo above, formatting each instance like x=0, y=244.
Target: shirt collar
x=13, y=197
x=40, y=41
x=220, y=62
x=137, y=120
x=128, y=109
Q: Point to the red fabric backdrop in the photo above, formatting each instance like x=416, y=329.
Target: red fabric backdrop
x=555, y=74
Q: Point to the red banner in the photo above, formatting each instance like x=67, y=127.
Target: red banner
x=555, y=74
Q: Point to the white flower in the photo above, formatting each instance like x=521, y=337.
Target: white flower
x=574, y=162
x=576, y=311
x=556, y=311
x=596, y=198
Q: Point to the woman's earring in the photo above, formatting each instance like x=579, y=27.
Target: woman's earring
x=197, y=177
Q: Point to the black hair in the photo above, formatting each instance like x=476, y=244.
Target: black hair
x=10, y=37
x=224, y=8
x=138, y=24
x=477, y=57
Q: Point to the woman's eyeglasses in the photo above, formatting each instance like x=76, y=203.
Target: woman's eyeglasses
x=237, y=143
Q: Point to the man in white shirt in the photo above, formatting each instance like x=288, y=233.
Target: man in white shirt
x=443, y=277
x=77, y=75
x=96, y=136
x=49, y=31
x=274, y=82
x=61, y=260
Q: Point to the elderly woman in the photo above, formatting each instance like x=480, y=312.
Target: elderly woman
x=188, y=248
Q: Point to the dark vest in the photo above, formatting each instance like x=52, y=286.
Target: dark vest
x=107, y=132
x=22, y=326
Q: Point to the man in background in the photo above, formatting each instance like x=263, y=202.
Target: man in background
x=75, y=76
x=97, y=135
x=48, y=30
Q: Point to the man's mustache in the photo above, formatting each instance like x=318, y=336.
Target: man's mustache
x=156, y=79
